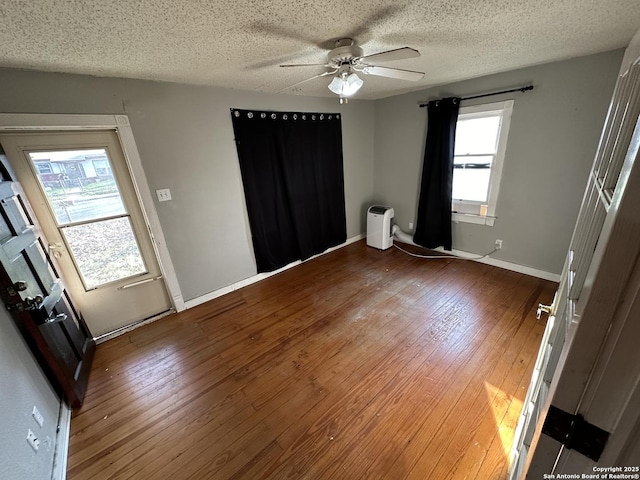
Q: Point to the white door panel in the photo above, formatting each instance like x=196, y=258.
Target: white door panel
x=589, y=364
x=81, y=190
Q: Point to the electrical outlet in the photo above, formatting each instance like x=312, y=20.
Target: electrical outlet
x=410, y=225
x=164, y=195
x=498, y=244
x=33, y=440
x=37, y=416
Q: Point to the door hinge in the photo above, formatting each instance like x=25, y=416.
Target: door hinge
x=574, y=432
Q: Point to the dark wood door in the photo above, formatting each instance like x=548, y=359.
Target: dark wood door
x=35, y=296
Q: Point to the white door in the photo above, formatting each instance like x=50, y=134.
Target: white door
x=587, y=365
x=81, y=191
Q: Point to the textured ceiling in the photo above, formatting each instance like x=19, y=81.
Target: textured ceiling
x=239, y=43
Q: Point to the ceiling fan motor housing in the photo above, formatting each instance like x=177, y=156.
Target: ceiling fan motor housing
x=344, y=55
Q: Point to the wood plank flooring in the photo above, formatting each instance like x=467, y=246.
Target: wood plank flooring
x=359, y=364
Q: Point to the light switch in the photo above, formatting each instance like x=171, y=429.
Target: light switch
x=164, y=195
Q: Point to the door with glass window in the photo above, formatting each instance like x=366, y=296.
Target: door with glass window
x=81, y=191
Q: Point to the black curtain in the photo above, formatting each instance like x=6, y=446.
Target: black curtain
x=433, y=225
x=292, y=174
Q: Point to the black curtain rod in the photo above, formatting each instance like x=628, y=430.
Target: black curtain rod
x=521, y=89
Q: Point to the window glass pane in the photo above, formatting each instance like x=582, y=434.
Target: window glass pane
x=44, y=167
x=80, y=186
x=477, y=135
x=471, y=184
x=105, y=251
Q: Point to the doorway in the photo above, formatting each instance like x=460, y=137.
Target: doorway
x=82, y=191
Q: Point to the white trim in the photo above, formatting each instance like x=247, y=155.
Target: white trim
x=514, y=267
x=458, y=217
x=128, y=328
x=261, y=276
x=505, y=109
x=149, y=210
x=120, y=123
x=61, y=452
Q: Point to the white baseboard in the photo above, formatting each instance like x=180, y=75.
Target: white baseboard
x=514, y=267
x=404, y=237
x=260, y=276
x=128, y=328
x=61, y=452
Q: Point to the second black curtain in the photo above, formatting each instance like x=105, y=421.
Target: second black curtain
x=433, y=224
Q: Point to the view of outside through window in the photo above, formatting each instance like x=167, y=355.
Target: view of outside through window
x=84, y=198
x=475, y=149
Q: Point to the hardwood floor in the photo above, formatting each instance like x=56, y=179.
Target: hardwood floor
x=359, y=364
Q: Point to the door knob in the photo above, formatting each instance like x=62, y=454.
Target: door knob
x=542, y=309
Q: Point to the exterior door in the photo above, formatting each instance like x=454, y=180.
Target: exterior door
x=35, y=296
x=587, y=370
x=81, y=191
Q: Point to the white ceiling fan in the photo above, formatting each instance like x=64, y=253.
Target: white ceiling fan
x=347, y=59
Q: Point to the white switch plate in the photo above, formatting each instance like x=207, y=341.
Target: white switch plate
x=164, y=195
x=37, y=416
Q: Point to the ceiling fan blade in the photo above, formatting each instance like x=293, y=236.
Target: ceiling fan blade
x=392, y=55
x=324, y=74
x=373, y=22
x=272, y=30
x=305, y=65
x=393, y=73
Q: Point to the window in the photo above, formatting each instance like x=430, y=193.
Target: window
x=44, y=168
x=102, y=168
x=481, y=140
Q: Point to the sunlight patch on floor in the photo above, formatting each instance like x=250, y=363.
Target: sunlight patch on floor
x=506, y=410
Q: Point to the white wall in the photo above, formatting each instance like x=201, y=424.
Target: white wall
x=554, y=133
x=185, y=139
x=22, y=385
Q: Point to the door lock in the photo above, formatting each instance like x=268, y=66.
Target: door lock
x=56, y=249
x=34, y=302
x=19, y=286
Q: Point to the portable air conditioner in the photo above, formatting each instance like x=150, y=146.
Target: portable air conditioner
x=379, y=225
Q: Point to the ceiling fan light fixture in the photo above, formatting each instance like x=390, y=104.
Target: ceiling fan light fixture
x=336, y=85
x=352, y=84
x=345, y=85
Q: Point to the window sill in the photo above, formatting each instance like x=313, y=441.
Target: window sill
x=472, y=218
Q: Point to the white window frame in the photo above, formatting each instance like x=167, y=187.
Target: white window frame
x=480, y=212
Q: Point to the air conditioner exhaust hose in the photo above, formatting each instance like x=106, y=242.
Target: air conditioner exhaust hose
x=403, y=236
